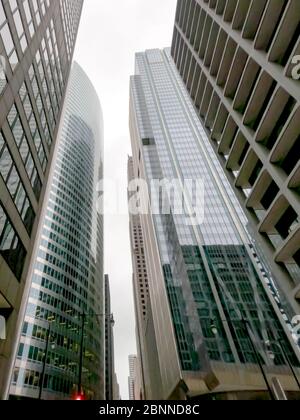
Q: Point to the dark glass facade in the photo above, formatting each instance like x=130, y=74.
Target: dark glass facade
x=205, y=278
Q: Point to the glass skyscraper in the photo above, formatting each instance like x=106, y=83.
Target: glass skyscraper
x=208, y=294
x=66, y=277
x=37, y=40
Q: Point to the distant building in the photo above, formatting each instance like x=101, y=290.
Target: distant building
x=134, y=380
x=116, y=389
x=132, y=361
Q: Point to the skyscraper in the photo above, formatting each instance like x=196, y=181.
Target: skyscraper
x=109, y=344
x=134, y=379
x=139, y=279
x=61, y=343
x=238, y=61
x=145, y=337
x=37, y=40
x=131, y=360
x=116, y=389
x=209, y=298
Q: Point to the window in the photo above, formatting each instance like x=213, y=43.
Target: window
x=9, y=45
x=286, y=223
x=22, y=143
x=28, y=17
x=256, y=172
x=270, y=195
x=2, y=14
x=15, y=187
x=20, y=30
x=292, y=158
x=11, y=248
x=281, y=121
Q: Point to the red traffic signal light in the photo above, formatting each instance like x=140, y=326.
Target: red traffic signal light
x=79, y=397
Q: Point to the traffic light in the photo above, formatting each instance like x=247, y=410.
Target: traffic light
x=79, y=397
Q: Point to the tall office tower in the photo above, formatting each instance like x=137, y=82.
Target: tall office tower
x=236, y=59
x=131, y=360
x=61, y=341
x=116, y=389
x=210, y=303
x=145, y=336
x=109, y=344
x=37, y=40
x=139, y=278
x=134, y=380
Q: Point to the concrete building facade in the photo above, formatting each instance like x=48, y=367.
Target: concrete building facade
x=238, y=61
x=150, y=381
x=139, y=280
x=134, y=379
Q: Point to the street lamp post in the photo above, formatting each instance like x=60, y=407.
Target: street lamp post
x=84, y=316
x=45, y=357
x=246, y=326
x=81, y=355
x=281, y=347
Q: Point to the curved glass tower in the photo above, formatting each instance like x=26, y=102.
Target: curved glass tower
x=62, y=320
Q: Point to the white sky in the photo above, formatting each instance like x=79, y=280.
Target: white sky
x=111, y=32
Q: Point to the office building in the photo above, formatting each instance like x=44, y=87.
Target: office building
x=116, y=389
x=134, y=379
x=131, y=360
x=145, y=337
x=61, y=343
x=37, y=40
x=139, y=279
x=238, y=60
x=211, y=306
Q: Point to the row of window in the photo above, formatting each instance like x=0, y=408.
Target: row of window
x=20, y=16
x=64, y=276
x=70, y=12
x=31, y=379
x=64, y=341
x=15, y=186
x=272, y=26
x=21, y=141
x=8, y=43
x=32, y=122
x=60, y=319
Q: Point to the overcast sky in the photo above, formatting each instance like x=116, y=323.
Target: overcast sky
x=111, y=32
